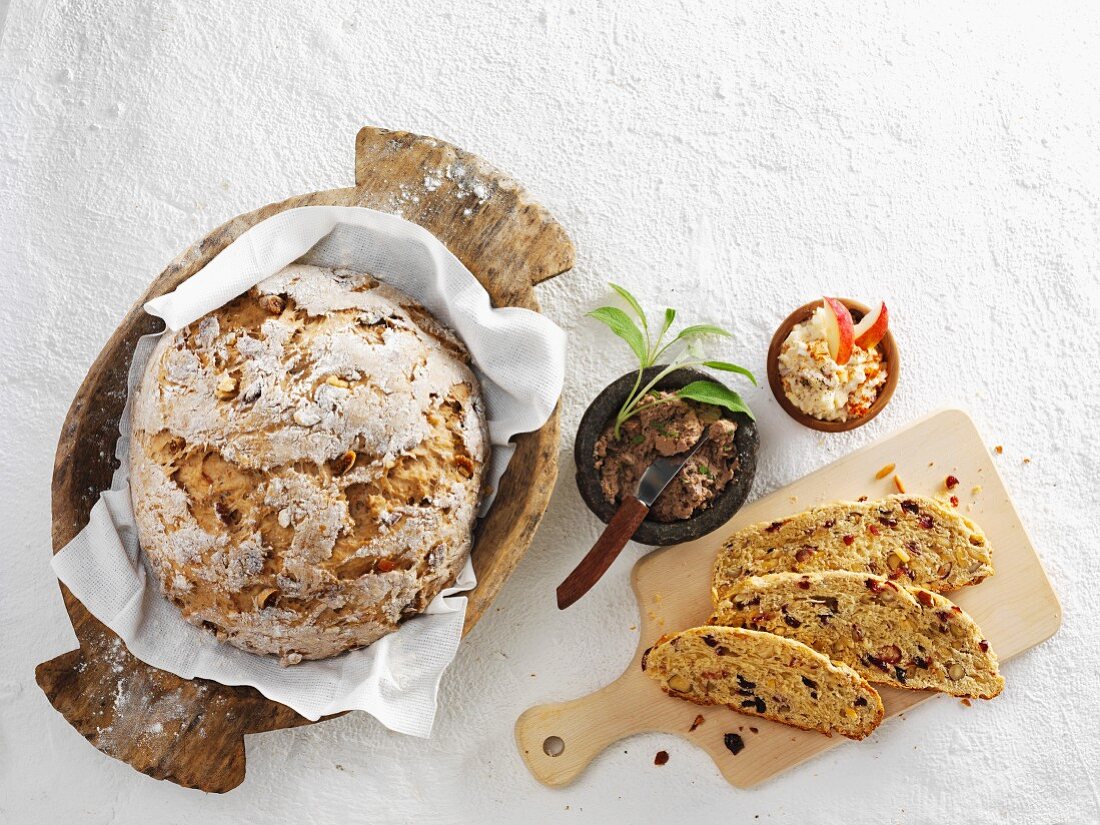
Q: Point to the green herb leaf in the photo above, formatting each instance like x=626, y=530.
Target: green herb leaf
x=619, y=323
x=638, y=439
x=703, y=468
x=726, y=367
x=711, y=392
x=632, y=301
x=670, y=316
x=698, y=330
x=690, y=336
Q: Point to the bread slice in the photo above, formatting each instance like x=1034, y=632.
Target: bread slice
x=761, y=674
x=888, y=633
x=912, y=539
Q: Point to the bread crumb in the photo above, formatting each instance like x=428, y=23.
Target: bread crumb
x=977, y=488
x=898, y=484
x=1027, y=460
x=885, y=471
x=698, y=721
x=661, y=758
x=998, y=449
x=966, y=702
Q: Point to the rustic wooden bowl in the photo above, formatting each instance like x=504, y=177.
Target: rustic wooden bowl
x=191, y=732
x=602, y=411
x=889, y=357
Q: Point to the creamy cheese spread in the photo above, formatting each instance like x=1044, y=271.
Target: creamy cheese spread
x=820, y=387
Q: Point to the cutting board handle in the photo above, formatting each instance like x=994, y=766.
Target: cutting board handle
x=558, y=741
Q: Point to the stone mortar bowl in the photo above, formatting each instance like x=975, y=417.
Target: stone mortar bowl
x=602, y=411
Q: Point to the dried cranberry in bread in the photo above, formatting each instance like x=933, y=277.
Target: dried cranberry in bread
x=306, y=463
x=915, y=540
x=890, y=634
x=761, y=674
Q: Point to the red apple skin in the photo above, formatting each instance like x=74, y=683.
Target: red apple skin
x=872, y=327
x=840, y=347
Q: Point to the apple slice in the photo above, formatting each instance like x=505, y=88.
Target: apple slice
x=839, y=330
x=872, y=327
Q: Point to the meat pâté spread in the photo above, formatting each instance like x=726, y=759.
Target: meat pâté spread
x=820, y=387
x=667, y=425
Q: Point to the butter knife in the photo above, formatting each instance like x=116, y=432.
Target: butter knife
x=631, y=513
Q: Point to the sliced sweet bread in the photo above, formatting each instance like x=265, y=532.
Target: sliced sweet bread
x=888, y=633
x=912, y=539
x=761, y=674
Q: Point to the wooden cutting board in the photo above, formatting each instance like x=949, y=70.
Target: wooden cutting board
x=1016, y=608
x=191, y=731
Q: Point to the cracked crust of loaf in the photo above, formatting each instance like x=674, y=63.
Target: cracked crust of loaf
x=306, y=463
x=915, y=540
x=889, y=634
x=760, y=674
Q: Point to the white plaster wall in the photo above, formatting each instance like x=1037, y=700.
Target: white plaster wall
x=731, y=159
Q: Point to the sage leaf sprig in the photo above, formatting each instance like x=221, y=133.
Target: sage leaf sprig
x=687, y=351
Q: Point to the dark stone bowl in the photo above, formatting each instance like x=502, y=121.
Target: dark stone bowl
x=602, y=411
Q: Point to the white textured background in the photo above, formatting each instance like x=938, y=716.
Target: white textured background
x=731, y=159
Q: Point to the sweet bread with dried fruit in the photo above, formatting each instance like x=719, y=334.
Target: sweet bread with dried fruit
x=761, y=674
x=888, y=633
x=914, y=540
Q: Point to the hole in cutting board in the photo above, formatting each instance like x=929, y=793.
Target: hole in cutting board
x=553, y=746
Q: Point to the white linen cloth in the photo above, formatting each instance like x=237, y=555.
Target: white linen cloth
x=518, y=355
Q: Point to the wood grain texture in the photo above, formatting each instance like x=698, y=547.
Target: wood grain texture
x=508, y=242
x=1016, y=608
x=611, y=542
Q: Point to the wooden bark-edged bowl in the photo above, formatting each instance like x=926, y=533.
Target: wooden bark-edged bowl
x=601, y=412
x=191, y=731
x=886, y=346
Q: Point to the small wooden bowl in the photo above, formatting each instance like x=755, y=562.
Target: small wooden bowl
x=889, y=357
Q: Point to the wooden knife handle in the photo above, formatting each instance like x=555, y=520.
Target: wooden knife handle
x=630, y=514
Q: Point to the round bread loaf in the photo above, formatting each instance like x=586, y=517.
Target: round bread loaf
x=306, y=463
